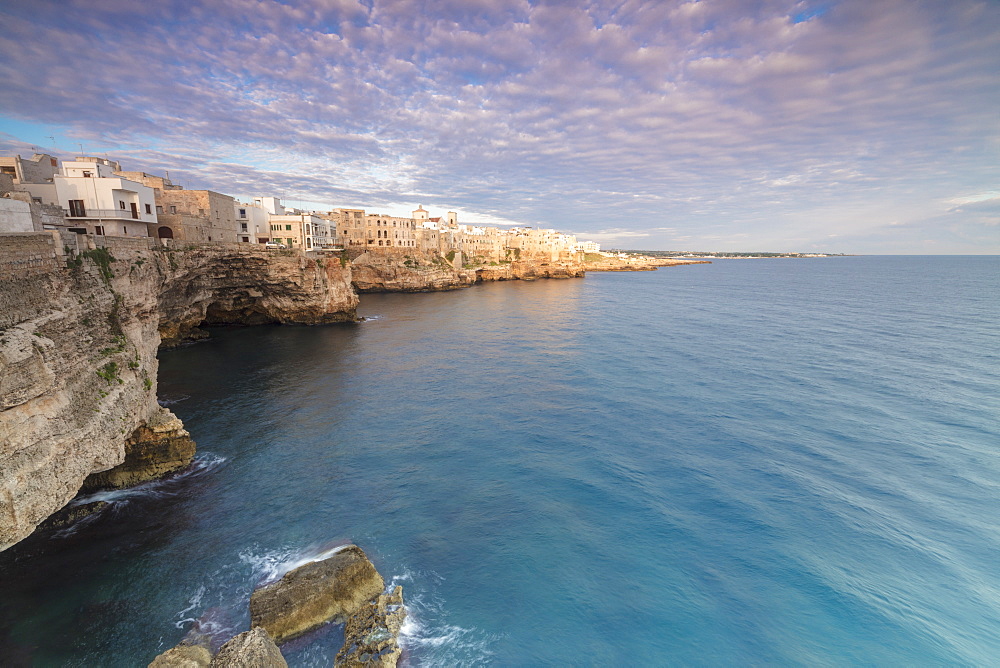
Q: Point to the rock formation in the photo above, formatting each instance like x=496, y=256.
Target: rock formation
x=528, y=269
x=371, y=635
x=417, y=272
x=79, y=332
x=597, y=262
x=250, y=286
x=184, y=655
x=251, y=649
x=158, y=446
x=426, y=272
x=319, y=592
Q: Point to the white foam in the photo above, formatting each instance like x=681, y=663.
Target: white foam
x=272, y=566
x=195, y=602
x=202, y=464
x=164, y=401
x=431, y=642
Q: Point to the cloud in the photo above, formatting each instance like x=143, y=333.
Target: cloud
x=723, y=117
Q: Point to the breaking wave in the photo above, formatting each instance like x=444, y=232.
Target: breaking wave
x=202, y=464
x=271, y=566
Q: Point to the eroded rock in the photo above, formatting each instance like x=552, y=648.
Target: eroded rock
x=156, y=448
x=184, y=655
x=251, y=649
x=371, y=635
x=319, y=592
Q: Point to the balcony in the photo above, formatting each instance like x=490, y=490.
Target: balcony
x=91, y=214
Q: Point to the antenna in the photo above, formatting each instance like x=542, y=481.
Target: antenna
x=53, y=140
x=81, y=149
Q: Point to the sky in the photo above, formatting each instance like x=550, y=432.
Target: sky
x=868, y=126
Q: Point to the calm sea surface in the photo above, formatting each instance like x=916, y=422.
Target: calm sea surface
x=768, y=462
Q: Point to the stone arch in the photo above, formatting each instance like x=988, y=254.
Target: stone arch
x=165, y=232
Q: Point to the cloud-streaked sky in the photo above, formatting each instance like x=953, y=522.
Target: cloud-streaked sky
x=868, y=126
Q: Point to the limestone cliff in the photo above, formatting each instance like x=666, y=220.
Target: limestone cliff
x=598, y=262
x=250, y=286
x=79, y=332
x=528, y=270
x=414, y=272
x=426, y=272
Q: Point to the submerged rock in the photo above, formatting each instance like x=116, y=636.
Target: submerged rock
x=311, y=595
x=251, y=649
x=371, y=635
x=71, y=515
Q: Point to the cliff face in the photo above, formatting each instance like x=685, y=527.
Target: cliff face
x=530, y=269
x=417, y=272
x=250, y=286
x=78, y=343
x=636, y=263
x=425, y=272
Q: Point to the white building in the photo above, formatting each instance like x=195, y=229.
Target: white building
x=94, y=200
x=272, y=205
x=252, y=222
x=303, y=230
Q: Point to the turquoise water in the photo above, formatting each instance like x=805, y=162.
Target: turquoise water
x=769, y=462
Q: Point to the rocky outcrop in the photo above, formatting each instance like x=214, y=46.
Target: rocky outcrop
x=528, y=270
x=157, y=447
x=251, y=649
x=416, y=272
x=371, y=635
x=184, y=655
x=79, y=333
x=319, y=592
x=250, y=286
x=78, y=346
x=425, y=272
x=634, y=263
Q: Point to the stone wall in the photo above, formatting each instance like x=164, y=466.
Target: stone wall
x=15, y=216
x=28, y=254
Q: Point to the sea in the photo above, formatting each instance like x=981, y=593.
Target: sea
x=772, y=462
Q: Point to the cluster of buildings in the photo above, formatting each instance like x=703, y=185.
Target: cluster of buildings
x=90, y=195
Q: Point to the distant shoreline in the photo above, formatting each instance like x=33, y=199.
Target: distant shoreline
x=707, y=255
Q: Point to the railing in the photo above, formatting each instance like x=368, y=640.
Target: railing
x=103, y=213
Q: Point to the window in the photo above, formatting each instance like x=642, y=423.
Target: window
x=99, y=230
x=173, y=209
x=87, y=175
x=288, y=228
x=76, y=208
x=159, y=209
x=149, y=209
x=243, y=213
x=121, y=205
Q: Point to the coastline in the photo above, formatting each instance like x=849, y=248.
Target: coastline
x=85, y=316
